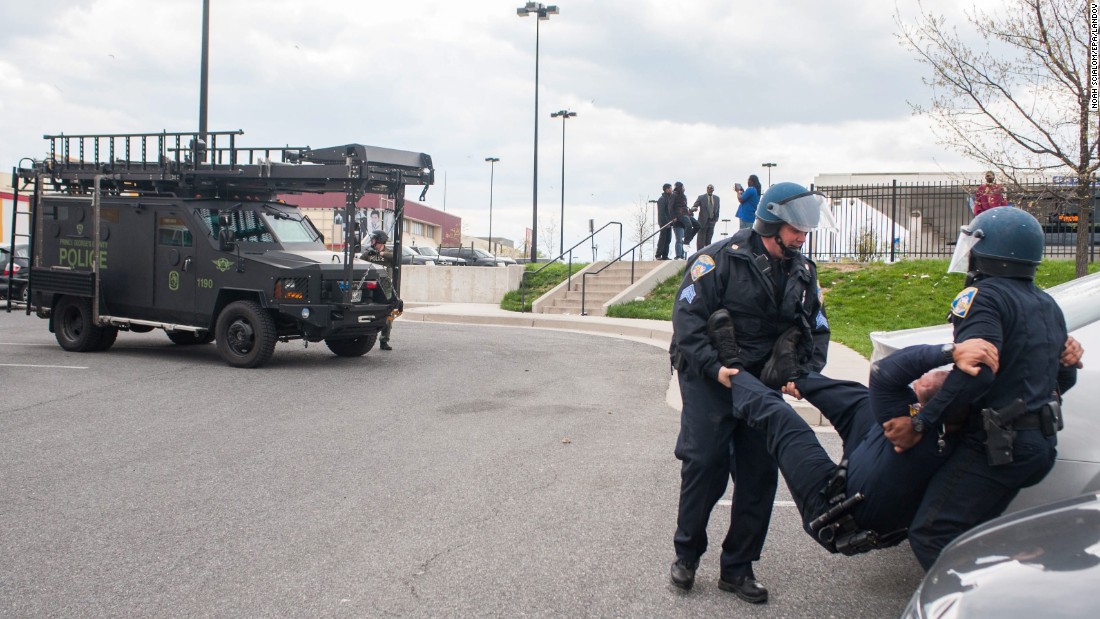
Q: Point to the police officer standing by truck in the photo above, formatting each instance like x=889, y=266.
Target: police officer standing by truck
x=377, y=253
x=1010, y=433
x=758, y=281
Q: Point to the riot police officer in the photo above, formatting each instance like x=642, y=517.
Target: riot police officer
x=377, y=253
x=768, y=287
x=1010, y=434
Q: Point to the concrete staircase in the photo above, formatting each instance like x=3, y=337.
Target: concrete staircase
x=612, y=285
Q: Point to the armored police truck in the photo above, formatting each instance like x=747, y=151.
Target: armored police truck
x=184, y=232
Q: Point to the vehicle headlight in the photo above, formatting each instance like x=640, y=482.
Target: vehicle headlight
x=291, y=289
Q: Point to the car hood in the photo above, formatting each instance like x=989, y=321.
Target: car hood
x=1040, y=562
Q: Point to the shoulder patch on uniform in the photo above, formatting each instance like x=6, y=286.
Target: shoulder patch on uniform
x=703, y=264
x=961, y=305
x=821, y=321
x=688, y=294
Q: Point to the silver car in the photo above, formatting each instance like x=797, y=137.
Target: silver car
x=1077, y=469
x=431, y=254
x=1039, y=562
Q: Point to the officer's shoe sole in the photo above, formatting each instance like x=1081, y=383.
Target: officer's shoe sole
x=783, y=366
x=746, y=588
x=723, y=337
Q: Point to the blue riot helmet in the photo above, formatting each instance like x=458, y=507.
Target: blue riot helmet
x=1001, y=242
x=792, y=204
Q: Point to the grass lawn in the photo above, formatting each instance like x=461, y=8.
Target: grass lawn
x=538, y=284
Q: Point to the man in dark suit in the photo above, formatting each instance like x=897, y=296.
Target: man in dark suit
x=664, y=218
x=706, y=206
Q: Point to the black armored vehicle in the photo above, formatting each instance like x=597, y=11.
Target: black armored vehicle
x=142, y=231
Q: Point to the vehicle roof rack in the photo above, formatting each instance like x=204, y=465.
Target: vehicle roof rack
x=183, y=163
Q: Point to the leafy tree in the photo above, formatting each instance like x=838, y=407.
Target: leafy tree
x=1016, y=97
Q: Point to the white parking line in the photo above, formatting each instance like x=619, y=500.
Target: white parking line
x=726, y=503
x=28, y=365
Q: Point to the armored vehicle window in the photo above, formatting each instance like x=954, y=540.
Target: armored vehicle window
x=290, y=228
x=247, y=226
x=173, y=232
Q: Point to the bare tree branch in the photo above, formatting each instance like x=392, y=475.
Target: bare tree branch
x=1013, y=94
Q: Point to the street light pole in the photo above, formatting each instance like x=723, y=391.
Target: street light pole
x=492, y=169
x=543, y=13
x=769, y=166
x=564, y=114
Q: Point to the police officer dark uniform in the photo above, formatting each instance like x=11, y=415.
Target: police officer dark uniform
x=1010, y=436
x=768, y=287
x=377, y=253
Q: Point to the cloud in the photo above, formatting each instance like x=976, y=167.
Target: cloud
x=700, y=92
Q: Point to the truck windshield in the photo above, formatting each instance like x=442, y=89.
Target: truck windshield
x=290, y=228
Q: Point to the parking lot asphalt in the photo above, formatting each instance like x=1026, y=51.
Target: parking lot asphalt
x=473, y=471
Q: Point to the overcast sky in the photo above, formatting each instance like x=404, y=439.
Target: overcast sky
x=701, y=91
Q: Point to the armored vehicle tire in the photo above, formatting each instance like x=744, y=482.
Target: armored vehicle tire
x=245, y=334
x=352, y=346
x=187, y=338
x=72, y=325
x=107, y=338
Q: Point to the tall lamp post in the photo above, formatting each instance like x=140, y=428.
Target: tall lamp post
x=543, y=12
x=563, y=114
x=769, y=166
x=492, y=169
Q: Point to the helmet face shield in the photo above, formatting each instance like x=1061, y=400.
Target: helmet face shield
x=960, y=259
x=805, y=211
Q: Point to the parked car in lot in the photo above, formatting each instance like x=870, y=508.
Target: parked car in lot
x=13, y=272
x=473, y=256
x=1039, y=562
x=440, y=259
x=1077, y=469
x=410, y=256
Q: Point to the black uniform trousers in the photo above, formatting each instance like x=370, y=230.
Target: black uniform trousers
x=664, y=241
x=967, y=490
x=713, y=446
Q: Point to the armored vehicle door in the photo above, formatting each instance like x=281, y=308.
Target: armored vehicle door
x=174, y=268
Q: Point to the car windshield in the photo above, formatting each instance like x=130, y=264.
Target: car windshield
x=427, y=251
x=481, y=253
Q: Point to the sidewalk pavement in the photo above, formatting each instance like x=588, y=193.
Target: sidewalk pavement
x=844, y=363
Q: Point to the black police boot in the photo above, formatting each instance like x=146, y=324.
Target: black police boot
x=723, y=338
x=745, y=587
x=683, y=574
x=385, y=346
x=783, y=367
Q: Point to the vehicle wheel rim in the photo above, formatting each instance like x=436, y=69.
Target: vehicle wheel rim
x=240, y=337
x=72, y=324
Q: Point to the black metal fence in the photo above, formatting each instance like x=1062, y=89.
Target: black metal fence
x=895, y=221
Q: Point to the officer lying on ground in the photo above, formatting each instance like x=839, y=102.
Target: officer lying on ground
x=889, y=485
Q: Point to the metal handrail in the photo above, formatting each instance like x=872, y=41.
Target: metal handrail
x=631, y=251
x=569, y=278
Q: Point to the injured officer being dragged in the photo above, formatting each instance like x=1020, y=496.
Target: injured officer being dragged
x=867, y=500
